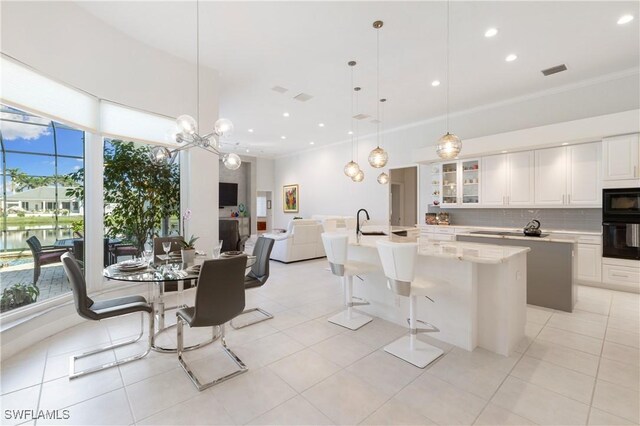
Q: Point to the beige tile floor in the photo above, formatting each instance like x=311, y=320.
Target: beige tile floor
x=579, y=368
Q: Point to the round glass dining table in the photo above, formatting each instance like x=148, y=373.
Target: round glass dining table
x=160, y=273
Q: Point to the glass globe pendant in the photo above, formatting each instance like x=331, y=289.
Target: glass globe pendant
x=187, y=124
x=383, y=178
x=378, y=158
x=231, y=161
x=159, y=155
x=223, y=126
x=351, y=169
x=449, y=146
x=359, y=177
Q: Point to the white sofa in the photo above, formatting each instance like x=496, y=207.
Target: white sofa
x=302, y=241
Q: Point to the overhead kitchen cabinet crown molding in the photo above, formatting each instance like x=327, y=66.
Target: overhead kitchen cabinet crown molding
x=577, y=131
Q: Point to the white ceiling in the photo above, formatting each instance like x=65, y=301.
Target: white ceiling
x=305, y=47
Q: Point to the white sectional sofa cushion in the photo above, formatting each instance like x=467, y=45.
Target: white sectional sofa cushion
x=302, y=241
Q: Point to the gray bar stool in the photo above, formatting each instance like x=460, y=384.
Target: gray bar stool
x=336, y=247
x=399, y=264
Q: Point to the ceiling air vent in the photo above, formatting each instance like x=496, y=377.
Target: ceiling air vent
x=279, y=89
x=375, y=121
x=554, y=70
x=302, y=97
x=361, y=116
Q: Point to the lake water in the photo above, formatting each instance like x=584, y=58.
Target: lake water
x=16, y=236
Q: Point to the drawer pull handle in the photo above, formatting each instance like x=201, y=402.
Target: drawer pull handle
x=619, y=275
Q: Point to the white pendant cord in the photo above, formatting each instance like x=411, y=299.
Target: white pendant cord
x=351, y=91
x=447, y=64
x=357, y=125
x=198, y=61
x=378, y=83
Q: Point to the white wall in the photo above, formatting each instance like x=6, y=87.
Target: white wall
x=265, y=179
x=324, y=189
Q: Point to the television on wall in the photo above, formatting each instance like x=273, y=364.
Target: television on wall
x=228, y=194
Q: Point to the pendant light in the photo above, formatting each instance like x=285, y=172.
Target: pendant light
x=449, y=145
x=352, y=168
x=378, y=157
x=383, y=178
x=186, y=127
x=359, y=177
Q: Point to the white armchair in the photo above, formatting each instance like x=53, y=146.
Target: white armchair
x=302, y=241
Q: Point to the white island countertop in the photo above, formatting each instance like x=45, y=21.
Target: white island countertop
x=470, y=252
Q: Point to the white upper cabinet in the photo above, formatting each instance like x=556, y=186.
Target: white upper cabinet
x=568, y=176
x=583, y=175
x=494, y=180
x=520, y=178
x=551, y=176
x=620, y=158
x=507, y=179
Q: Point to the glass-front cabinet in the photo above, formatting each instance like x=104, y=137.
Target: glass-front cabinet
x=449, y=183
x=461, y=183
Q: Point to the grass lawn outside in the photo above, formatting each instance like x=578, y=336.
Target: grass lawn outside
x=42, y=220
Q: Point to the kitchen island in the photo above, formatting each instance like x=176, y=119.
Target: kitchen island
x=483, y=302
x=550, y=275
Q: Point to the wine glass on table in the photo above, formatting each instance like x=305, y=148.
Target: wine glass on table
x=216, y=250
x=166, y=246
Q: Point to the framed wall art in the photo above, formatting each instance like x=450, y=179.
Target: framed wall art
x=291, y=198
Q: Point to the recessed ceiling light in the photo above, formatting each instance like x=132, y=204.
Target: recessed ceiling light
x=247, y=150
x=491, y=32
x=283, y=137
x=285, y=114
x=312, y=143
x=512, y=57
x=435, y=83
x=320, y=124
x=349, y=132
x=250, y=130
x=625, y=19
x=504, y=152
x=566, y=143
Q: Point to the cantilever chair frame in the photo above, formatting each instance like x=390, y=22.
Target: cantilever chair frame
x=265, y=315
x=78, y=285
x=72, y=360
x=210, y=310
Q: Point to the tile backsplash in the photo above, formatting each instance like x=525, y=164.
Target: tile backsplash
x=566, y=219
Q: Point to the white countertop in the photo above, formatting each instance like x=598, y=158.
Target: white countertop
x=499, y=229
x=551, y=238
x=470, y=252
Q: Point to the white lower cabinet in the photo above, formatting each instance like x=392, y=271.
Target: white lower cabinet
x=589, y=263
x=623, y=274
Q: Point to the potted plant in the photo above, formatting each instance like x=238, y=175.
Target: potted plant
x=18, y=295
x=189, y=250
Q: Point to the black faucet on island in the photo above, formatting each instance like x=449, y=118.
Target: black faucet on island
x=358, y=231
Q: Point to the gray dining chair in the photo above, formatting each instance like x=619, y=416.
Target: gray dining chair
x=104, y=309
x=219, y=299
x=257, y=277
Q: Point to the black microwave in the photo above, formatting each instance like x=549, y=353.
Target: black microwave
x=621, y=205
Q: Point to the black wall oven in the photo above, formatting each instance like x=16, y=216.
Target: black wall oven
x=621, y=223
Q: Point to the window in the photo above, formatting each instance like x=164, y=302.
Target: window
x=141, y=199
x=39, y=157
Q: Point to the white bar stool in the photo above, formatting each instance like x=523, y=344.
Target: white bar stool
x=399, y=264
x=336, y=247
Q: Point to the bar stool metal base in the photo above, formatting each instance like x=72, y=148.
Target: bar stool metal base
x=413, y=351
x=350, y=319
